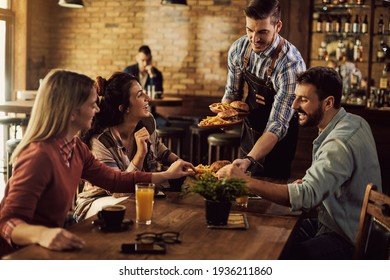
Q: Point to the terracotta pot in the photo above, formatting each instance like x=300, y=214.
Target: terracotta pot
x=217, y=213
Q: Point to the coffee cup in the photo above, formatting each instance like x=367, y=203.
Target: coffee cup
x=112, y=216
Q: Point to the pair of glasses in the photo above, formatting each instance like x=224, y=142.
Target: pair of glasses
x=169, y=237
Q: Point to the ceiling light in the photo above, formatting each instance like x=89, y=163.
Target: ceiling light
x=173, y=2
x=71, y=3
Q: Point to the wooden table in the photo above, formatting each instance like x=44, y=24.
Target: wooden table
x=17, y=106
x=270, y=227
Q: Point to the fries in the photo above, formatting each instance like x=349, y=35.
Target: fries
x=212, y=121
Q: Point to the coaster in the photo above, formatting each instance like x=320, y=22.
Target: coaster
x=235, y=221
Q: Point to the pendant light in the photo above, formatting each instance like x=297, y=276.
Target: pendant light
x=71, y=3
x=173, y=2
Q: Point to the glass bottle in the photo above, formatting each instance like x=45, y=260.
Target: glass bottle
x=365, y=25
x=381, y=25
x=328, y=24
x=340, y=51
x=356, y=25
x=319, y=24
x=337, y=25
x=380, y=53
x=360, y=2
x=347, y=24
x=383, y=81
x=358, y=51
x=322, y=52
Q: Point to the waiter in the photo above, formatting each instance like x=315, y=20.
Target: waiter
x=268, y=64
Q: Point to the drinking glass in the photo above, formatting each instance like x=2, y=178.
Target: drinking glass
x=144, y=200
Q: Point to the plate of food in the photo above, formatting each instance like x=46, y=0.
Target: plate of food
x=223, y=119
x=241, y=107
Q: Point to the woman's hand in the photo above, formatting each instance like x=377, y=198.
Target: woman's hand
x=178, y=169
x=142, y=138
x=59, y=239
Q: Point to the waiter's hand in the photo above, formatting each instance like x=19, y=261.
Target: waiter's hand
x=149, y=69
x=243, y=164
x=260, y=99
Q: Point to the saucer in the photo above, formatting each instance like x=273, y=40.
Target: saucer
x=102, y=227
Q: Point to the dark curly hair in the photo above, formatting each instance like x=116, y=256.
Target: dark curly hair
x=112, y=93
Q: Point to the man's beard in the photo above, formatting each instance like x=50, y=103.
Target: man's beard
x=312, y=119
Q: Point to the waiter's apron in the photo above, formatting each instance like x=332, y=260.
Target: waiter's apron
x=278, y=162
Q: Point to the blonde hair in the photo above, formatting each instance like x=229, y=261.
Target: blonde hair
x=60, y=93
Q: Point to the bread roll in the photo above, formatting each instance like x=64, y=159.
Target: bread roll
x=240, y=106
x=215, y=166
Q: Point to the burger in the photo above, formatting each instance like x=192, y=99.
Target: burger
x=217, y=165
x=228, y=115
x=240, y=106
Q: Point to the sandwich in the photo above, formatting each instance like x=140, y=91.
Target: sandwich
x=240, y=107
x=228, y=115
x=217, y=165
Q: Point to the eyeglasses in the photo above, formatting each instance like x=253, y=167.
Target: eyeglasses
x=169, y=237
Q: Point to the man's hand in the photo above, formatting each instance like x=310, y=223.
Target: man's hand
x=260, y=99
x=242, y=164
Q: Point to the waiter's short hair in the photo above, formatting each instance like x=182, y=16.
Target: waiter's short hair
x=262, y=9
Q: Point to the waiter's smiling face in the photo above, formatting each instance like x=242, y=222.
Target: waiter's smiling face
x=262, y=32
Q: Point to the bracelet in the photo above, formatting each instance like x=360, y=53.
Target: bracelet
x=251, y=159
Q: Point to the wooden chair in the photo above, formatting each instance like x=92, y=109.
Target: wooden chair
x=373, y=239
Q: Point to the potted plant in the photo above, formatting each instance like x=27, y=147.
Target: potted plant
x=218, y=194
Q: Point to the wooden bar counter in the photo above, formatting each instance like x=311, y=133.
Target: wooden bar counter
x=270, y=227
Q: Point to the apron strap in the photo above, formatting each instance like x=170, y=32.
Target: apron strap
x=274, y=57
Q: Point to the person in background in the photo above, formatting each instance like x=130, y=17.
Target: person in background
x=123, y=136
x=345, y=160
x=268, y=64
x=50, y=161
x=147, y=74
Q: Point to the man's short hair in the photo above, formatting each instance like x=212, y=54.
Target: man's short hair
x=262, y=9
x=326, y=80
x=145, y=50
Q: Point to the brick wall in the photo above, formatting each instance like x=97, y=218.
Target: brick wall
x=189, y=43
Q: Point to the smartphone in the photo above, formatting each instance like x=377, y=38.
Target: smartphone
x=135, y=248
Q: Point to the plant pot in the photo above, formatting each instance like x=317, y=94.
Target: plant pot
x=217, y=213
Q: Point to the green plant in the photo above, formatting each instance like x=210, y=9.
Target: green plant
x=224, y=190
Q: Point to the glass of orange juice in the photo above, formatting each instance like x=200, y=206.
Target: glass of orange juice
x=144, y=200
x=242, y=201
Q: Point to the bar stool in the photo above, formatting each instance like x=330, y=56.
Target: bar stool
x=228, y=141
x=198, y=144
x=169, y=135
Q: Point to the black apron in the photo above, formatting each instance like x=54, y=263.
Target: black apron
x=277, y=163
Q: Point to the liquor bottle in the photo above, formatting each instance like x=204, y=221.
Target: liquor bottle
x=340, y=51
x=380, y=53
x=358, y=51
x=328, y=24
x=337, y=25
x=356, y=25
x=322, y=52
x=360, y=2
x=319, y=24
x=365, y=25
x=381, y=25
x=347, y=24
x=383, y=81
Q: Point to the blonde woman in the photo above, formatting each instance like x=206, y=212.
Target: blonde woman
x=50, y=161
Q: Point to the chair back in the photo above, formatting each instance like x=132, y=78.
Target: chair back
x=373, y=239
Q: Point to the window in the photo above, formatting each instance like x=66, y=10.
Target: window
x=6, y=27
